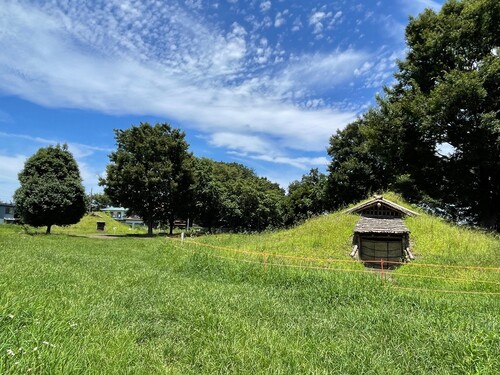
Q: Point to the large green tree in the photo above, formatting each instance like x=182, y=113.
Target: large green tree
x=454, y=64
x=307, y=197
x=232, y=196
x=150, y=173
x=51, y=191
x=435, y=134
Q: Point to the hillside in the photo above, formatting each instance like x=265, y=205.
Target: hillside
x=329, y=236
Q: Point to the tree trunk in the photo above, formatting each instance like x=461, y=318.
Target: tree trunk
x=171, y=225
x=488, y=199
x=48, y=229
x=150, y=227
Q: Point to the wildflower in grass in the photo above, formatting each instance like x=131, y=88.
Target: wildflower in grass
x=48, y=344
x=11, y=316
x=10, y=352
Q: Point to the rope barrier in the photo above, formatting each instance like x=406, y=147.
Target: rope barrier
x=446, y=266
x=266, y=255
x=447, y=278
x=284, y=265
x=444, y=291
x=257, y=253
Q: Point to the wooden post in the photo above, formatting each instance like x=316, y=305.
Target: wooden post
x=354, y=251
x=410, y=255
x=382, y=269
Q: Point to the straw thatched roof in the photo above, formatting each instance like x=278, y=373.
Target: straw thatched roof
x=381, y=225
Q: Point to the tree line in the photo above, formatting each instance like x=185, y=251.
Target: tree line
x=153, y=174
x=433, y=136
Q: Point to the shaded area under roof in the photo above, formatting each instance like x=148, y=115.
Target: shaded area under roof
x=381, y=225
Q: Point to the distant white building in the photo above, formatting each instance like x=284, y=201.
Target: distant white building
x=120, y=214
x=117, y=213
x=6, y=212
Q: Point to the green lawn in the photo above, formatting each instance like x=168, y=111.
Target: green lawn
x=137, y=305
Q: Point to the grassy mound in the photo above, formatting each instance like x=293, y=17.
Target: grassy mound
x=330, y=237
x=88, y=226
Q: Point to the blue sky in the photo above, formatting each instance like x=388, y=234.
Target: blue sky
x=260, y=82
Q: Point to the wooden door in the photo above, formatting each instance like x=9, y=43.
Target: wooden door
x=381, y=248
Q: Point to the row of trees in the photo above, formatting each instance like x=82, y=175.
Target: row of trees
x=153, y=174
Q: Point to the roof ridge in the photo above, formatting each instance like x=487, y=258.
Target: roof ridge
x=380, y=198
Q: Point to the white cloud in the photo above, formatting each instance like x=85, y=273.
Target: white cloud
x=303, y=163
x=323, y=69
x=77, y=149
x=279, y=20
x=265, y=6
x=258, y=148
x=241, y=142
x=10, y=166
x=417, y=6
x=320, y=18
x=135, y=59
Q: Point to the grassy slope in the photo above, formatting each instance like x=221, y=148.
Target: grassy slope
x=132, y=305
x=88, y=224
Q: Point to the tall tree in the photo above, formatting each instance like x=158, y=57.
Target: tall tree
x=51, y=191
x=209, y=194
x=307, y=197
x=354, y=171
x=97, y=201
x=454, y=62
x=150, y=173
x=446, y=96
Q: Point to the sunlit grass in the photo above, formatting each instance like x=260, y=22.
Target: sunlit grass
x=88, y=226
x=71, y=304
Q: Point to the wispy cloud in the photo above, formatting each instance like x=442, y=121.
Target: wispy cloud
x=416, y=6
x=77, y=149
x=10, y=166
x=5, y=117
x=258, y=148
x=137, y=58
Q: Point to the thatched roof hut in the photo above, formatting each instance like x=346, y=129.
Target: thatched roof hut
x=381, y=234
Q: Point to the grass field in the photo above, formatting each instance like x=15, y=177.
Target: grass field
x=247, y=303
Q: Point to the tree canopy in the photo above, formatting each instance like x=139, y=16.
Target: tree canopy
x=307, y=197
x=232, y=196
x=51, y=191
x=150, y=173
x=435, y=134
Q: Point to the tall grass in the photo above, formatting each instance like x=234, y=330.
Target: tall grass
x=133, y=305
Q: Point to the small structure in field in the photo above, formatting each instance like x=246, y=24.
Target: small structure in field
x=381, y=234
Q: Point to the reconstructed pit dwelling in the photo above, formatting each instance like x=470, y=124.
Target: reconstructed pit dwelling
x=380, y=234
